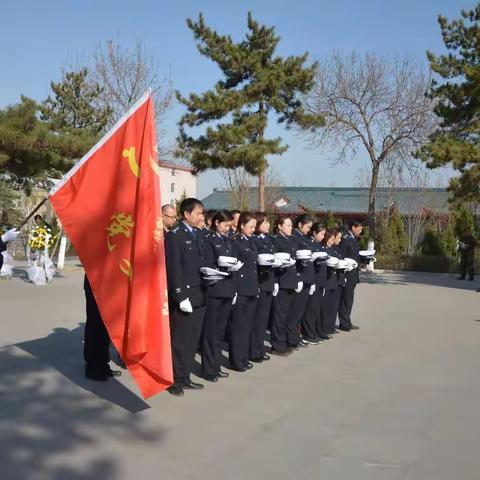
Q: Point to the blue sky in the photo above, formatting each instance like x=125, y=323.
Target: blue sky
x=39, y=38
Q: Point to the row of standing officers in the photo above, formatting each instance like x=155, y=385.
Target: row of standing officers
x=299, y=303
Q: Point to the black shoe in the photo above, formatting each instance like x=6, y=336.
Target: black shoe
x=189, y=385
x=210, y=378
x=344, y=329
x=281, y=353
x=265, y=357
x=238, y=369
x=113, y=373
x=325, y=337
x=176, y=390
x=256, y=360
x=461, y=278
x=95, y=375
x=222, y=374
x=471, y=279
x=301, y=344
x=334, y=332
x=249, y=365
x=313, y=341
x=354, y=327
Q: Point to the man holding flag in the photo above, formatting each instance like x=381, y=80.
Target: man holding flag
x=109, y=204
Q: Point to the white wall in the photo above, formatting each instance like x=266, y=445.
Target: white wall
x=178, y=180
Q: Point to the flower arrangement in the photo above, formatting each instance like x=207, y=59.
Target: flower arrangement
x=38, y=236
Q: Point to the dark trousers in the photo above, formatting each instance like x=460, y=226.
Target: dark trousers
x=216, y=319
x=312, y=315
x=299, y=303
x=97, y=341
x=330, y=308
x=321, y=323
x=346, y=305
x=260, y=323
x=467, y=262
x=282, y=330
x=240, y=328
x=185, y=331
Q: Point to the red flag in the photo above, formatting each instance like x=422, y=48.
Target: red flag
x=109, y=205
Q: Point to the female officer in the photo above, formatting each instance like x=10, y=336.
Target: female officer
x=341, y=277
x=247, y=293
x=219, y=297
x=284, y=332
x=267, y=285
x=332, y=290
x=303, y=224
x=313, y=328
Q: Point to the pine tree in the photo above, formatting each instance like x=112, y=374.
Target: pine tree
x=330, y=221
x=457, y=140
x=463, y=221
x=256, y=83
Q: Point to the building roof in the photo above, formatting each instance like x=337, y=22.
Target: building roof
x=176, y=166
x=340, y=200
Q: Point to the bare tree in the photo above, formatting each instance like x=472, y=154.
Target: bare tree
x=125, y=75
x=375, y=104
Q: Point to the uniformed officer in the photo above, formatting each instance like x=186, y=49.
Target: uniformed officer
x=8, y=236
x=268, y=288
x=234, y=227
x=96, y=341
x=350, y=249
x=467, y=247
x=219, y=297
x=303, y=224
x=169, y=217
x=184, y=257
x=313, y=325
x=247, y=294
x=332, y=289
x=284, y=334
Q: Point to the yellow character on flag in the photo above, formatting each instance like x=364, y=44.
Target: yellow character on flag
x=122, y=224
x=129, y=153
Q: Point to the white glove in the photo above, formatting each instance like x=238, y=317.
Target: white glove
x=299, y=287
x=236, y=267
x=312, y=289
x=9, y=235
x=186, y=306
x=234, y=301
x=275, y=289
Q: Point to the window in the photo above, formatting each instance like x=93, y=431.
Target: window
x=173, y=172
x=172, y=187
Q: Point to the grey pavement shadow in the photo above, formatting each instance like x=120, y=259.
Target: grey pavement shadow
x=45, y=422
x=420, y=278
x=63, y=350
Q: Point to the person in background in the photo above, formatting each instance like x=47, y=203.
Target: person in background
x=303, y=224
x=313, y=325
x=169, y=217
x=268, y=288
x=184, y=258
x=284, y=332
x=247, y=294
x=236, y=217
x=350, y=248
x=219, y=297
x=466, y=248
x=40, y=221
x=8, y=236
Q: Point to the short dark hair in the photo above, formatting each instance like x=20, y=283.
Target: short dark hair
x=209, y=214
x=221, y=216
x=303, y=219
x=188, y=205
x=280, y=221
x=316, y=228
x=235, y=212
x=354, y=223
x=38, y=216
x=328, y=235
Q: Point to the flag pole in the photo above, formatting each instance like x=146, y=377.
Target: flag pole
x=32, y=213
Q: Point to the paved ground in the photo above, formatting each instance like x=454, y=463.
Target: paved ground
x=398, y=399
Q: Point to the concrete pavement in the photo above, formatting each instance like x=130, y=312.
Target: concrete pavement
x=395, y=400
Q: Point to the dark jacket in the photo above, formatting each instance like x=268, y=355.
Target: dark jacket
x=306, y=270
x=332, y=273
x=184, y=253
x=288, y=277
x=246, y=279
x=350, y=248
x=217, y=245
x=320, y=266
x=266, y=275
x=3, y=247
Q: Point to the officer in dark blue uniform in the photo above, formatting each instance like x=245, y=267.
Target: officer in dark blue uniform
x=219, y=296
x=350, y=249
x=303, y=224
x=234, y=227
x=184, y=257
x=267, y=285
x=313, y=326
x=284, y=334
x=247, y=294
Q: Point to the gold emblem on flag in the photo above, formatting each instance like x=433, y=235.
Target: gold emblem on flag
x=122, y=224
x=129, y=153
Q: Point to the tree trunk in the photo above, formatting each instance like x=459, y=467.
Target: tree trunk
x=372, y=221
x=261, y=191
